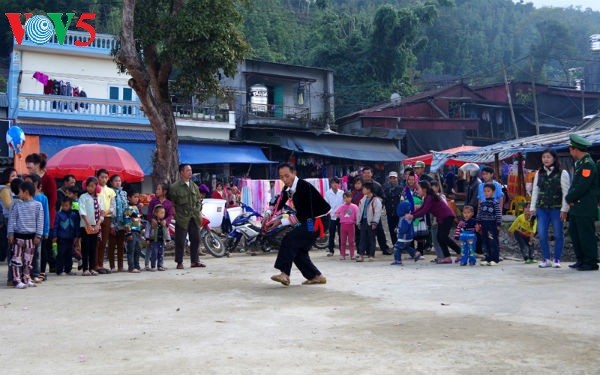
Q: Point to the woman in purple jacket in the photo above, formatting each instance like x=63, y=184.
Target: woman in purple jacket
x=433, y=204
x=160, y=197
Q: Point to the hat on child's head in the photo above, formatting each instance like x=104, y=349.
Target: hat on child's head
x=403, y=208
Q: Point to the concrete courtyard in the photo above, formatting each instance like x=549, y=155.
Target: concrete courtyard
x=370, y=318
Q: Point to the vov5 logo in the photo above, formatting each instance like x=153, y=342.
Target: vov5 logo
x=40, y=29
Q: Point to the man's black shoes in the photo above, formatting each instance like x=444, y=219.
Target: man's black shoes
x=588, y=267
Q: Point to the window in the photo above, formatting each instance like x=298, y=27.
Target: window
x=124, y=94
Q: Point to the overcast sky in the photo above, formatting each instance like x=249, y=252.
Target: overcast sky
x=594, y=4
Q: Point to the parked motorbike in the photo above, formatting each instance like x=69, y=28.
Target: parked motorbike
x=255, y=236
x=208, y=237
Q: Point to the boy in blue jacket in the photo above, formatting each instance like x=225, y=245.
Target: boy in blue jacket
x=406, y=234
x=66, y=233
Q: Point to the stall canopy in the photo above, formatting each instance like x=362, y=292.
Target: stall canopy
x=536, y=143
x=345, y=147
x=195, y=153
x=445, y=156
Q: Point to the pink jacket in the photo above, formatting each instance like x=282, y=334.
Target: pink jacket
x=347, y=213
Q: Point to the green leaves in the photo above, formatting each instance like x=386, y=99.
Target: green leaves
x=189, y=43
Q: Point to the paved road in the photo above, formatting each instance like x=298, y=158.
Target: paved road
x=370, y=318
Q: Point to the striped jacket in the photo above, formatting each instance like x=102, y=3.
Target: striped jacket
x=489, y=210
x=26, y=217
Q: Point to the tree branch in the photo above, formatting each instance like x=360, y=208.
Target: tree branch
x=128, y=55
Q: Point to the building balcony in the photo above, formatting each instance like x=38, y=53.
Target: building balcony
x=77, y=109
x=268, y=115
x=102, y=45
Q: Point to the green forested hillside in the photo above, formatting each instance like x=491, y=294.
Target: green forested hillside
x=377, y=47
x=375, y=53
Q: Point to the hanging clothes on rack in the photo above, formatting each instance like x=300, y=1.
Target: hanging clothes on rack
x=41, y=77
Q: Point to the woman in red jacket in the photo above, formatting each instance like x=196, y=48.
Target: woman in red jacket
x=219, y=193
x=433, y=204
x=36, y=164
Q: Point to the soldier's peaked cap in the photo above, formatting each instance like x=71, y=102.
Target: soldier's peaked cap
x=578, y=142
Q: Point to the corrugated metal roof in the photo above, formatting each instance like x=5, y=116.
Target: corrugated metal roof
x=536, y=143
x=3, y=100
x=90, y=133
x=591, y=123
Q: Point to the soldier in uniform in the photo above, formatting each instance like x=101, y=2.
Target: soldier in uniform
x=583, y=200
x=393, y=191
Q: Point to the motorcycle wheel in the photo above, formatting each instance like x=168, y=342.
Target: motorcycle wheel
x=231, y=244
x=214, y=245
x=267, y=246
x=322, y=242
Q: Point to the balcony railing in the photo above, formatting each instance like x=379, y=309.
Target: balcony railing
x=80, y=108
x=281, y=116
x=103, y=110
x=201, y=112
x=278, y=112
x=104, y=43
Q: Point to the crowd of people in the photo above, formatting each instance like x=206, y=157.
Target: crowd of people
x=420, y=217
x=42, y=227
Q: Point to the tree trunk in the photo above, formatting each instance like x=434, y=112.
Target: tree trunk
x=150, y=82
x=165, y=160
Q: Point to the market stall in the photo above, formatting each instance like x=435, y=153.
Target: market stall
x=258, y=193
x=439, y=158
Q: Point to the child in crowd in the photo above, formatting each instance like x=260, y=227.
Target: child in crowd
x=369, y=213
x=40, y=258
x=73, y=192
x=524, y=228
x=489, y=218
x=406, y=235
x=25, y=230
x=14, y=191
x=160, y=197
x=204, y=191
x=92, y=216
x=421, y=228
x=347, y=213
x=157, y=235
x=357, y=195
x=468, y=222
x=118, y=205
x=133, y=223
x=66, y=233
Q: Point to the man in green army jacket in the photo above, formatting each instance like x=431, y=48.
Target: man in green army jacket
x=583, y=199
x=185, y=196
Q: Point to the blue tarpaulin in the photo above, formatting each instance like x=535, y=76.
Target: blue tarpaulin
x=345, y=147
x=202, y=153
x=188, y=153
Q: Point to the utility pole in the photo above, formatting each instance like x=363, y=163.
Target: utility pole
x=512, y=112
x=535, y=108
x=582, y=99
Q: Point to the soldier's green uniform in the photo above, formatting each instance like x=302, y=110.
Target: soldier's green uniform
x=583, y=199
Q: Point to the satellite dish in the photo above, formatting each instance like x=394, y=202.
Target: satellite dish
x=395, y=98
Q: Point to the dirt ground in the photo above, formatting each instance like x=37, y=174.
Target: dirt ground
x=370, y=318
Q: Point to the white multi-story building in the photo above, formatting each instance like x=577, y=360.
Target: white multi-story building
x=45, y=98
